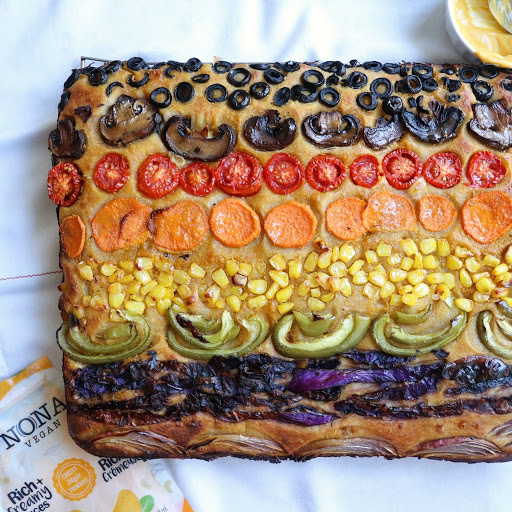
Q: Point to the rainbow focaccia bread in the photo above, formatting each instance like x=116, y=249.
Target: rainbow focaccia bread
x=286, y=260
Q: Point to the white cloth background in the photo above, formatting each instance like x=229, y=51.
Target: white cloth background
x=40, y=41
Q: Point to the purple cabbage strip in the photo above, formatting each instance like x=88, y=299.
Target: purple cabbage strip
x=306, y=416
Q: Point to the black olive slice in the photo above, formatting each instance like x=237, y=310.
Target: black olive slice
x=423, y=71
x=393, y=105
x=333, y=66
x=111, y=87
x=354, y=63
x=384, y=133
x=429, y=85
x=174, y=64
x=268, y=132
x=488, y=70
x=392, y=68
x=159, y=92
x=492, y=124
x=468, y=74
x=329, y=97
x=381, y=87
x=194, y=145
x=307, y=95
x=222, y=66
x=272, y=76
x=184, y=92
x=452, y=85
x=260, y=66
x=296, y=91
x=216, y=93
x=66, y=141
x=447, y=71
x=239, y=77
x=98, y=77
x=136, y=63
x=312, y=78
x=506, y=83
x=356, y=80
x=201, y=79
x=64, y=98
x=192, y=65
x=138, y=83
x=452, y=97
x=238, y=99
x=259, y=90
x=112, y=67
x=372, y=65
x=404, y=70
x=168, y=72
x=72, y=78
x=409, y=84
x=87, y=69
x=332, y=80
x=331, y=129
x=412, y=102
x=367, y=101
x=290, y=66
x=483, y=91
x=158, y=65
x=282, y=96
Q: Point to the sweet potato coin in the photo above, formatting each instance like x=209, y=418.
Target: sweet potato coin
x=487, y=217
x=234, y=223
x=180, y=227
x=290, y=224
x=387, y=211
x=344, y=218
x=72, y=236
x=436, y=212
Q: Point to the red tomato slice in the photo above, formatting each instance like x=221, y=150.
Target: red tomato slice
x=401, y=168
x=239, y=174
x=157, y=176
x=364, y=171
x=64, y=184
x=111, y=172
x=283, y=173
x=485, y=170
x=325, y=172
x=443, y=170
x=197, y=179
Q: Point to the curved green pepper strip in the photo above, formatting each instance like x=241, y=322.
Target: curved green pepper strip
x=379, y=335
x=81, y=342
x=505, y=309
x=413, y=318
x=505, y=327
x=258, y=332
x=487, y=337
x=312, y=325
x=203, y=324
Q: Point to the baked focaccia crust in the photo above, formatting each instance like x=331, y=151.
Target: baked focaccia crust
x=286, y=260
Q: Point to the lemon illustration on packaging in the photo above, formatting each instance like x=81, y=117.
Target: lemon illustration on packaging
x=127, y=502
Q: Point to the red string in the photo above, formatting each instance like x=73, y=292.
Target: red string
x=31, y=275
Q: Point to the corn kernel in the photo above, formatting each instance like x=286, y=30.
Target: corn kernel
x=212, y=293
x=443, y=291
x=163, y=265
x=406, y=288
x=394, y=259
x=294, y=269
x=465, y=278
x=430, y=262
x=236, y=290
x=428, y=245
x=78, y=311
x=157, y=292
x=435, y=278
x=462, y=252
x=234, y=303
x=335, y=253
x=133, y=288
x=453, y=263
x=272, y=290
x=409, y=247
x=148, y=287
x=280, y=277
x=137, y=298
x=277, y=261
x=379, y=268
x=383, y=250
x=92, y=262
x=322, y=279
x=505, y=279
x=481, y=298
x=245, y=269
x=162, y=306
x=345, y=287
x=302, y=289
x=377, y=278
x=421, y=290
x=165, y=279
x=232, y=267
x=284, y=294
x=371, y=257
x=338, y=269
x=86, y=301
x=485, y=285
x=310, y=262
x=261, y=268
x=395, y=300
x=472, y=265
x=178, y=305
x=285, y=307
x=180, y=277
x=325, y=259
x=449, y=280
x=418, y=261
x=410, y=299
x=144, y=263
x=115, y=288
x=107, y=269
x=327, y=297
x=169, y=294
x=387, y=290
x=116, y=276
x=443, y=247
x=257, y=302
x=464, y=304
x=355, y=267
x=508, y=255
x=220, y=304
x=313, y=281
x=149, y=301
x=491, y=261
x=85, y=272
x=396, y=275
x=127, y=265
x=500, y=269
x=315, y=304
x=347, y=252
x=406, y=263
x=315, y=292
x=360, y=277
x=370, y=291
x=508, y=300
x=220, y=277
x=499, y=292
x=196, y=271
x=416, y=276
x=334, y=284
x=116, y=299
x=244, y=296
x=137, y=308
x=257, y=286
x=127, y=279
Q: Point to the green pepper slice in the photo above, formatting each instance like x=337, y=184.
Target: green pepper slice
x=413, y=318
x=505, y=309
x=313, y=325
x=82, y=343
x=487, y=337
x=505, y=327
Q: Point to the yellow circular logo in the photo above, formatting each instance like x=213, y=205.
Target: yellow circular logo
x=74, y=479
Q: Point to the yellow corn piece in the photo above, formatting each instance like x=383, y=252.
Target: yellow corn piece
x=245, y=269
x=416, y=276
x=394, y=259
x=232, y=267
x=377, y=278
x=115, y=288
x=279, y=277
x=485, y=285
x=325, y=259
x=465, y=278
x=379, y=268
x=334, y=284
x=409, y=246
x=212, y=293
x=405, y=289
x=127, y=279
x=335, y=253
x=453, y=263
x=116, y=299
x=85, y=272
x=327, y=297
x=166, y=279
x=410, y=299
x=435, y=278
x=464, y=304
x=421, y=290
x=315, y=292
x=127, y=265
x=406, y=263
x=133, y=288
x=137, y=308
x=430, y=262
x=310, y=262
x=396, y=275
x=443, y=291
x=303, y=288
x=234, y=303
x=472, y=265
x=345, y=287
x=256, y=302
x=184, y=291
x=315, y=304
x=322, y=279
x=162, y=306
x=284, y=294
x=338, y=269
x=383, y=250
x=294, y=269
x=491, y=261
x=144, y=263
x=196, y=271
x=499, y=293
x=370, y=291
x=178, y=305
x=107, y=269
x=158, y=292
x=387, y=290
x=449, y=280
x=418, y=261
x=181, y=277
x=462, y=252
x=508, y=255
x=481, y=298
x=86, y=301
x=395, y=300
x=500, y=269
x=137, y=298
x=360, y=277
x=148, y=287
x=277, y=262
x=347, y=252
x=273, y=289
x=284, y=308
x=355, y=267
x=236, y=290
x=371, y=257
x=219, y=277
x=443, y=247
x=428, y=245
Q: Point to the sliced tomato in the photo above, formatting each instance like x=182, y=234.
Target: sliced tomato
x=443, y=170
x=365, y=170
x=197, y=179
x=239, y=174
x=283, y=173
x=111, y=172
x=325, y=172
x=485, y=170
x=157, y=176
x=64, y=184
x=402, y=168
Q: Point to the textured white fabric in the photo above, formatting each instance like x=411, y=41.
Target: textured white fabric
x=40, y=41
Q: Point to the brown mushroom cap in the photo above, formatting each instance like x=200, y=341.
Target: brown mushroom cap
x=268, y=132
x=65, y=141
x=129, y=119
x=331, y=129
x=492, y=124
x=385, y=132
x=196, y=145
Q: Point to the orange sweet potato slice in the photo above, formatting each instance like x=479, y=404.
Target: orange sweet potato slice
x=72, y=236
x=344, y=218
x=234, y=223
x=120, y=223
x=487, y=217
x=436, y=212
x=290, y=224
x=387, y=211
x=180, y=227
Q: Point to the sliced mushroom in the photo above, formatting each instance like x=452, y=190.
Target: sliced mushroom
x=331, y=129
x=440, y=126
x=492, y=124
x=385, y=132
x=196, y=145
x=129, y=119
x=65, y=141
x=268, y=132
